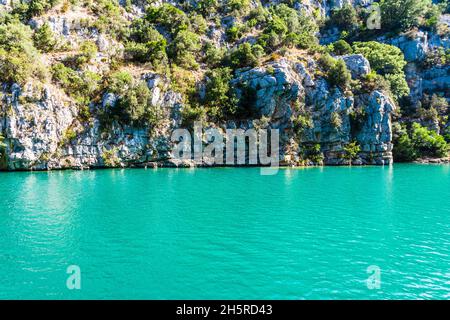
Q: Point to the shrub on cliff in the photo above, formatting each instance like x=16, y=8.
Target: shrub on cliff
x=134, y=101
x=82, y=86
x=400, y=15
x=387, y=61
x=237, y=7
x=340, y=48
x=289, y=27
x=336, y=70
x=44, y=38
x=168, y=16
x=243, y=56
x=184, y=49
x=220, y=99
x=404, y=150
x=207, y=7
x=28, y=9
x=2, y=144
x=110, y=18
x=344, y=18
x=19, y=59
x=146, y=44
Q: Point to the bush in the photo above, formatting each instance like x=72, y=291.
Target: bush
x=344, y=18
x=289, y=27
x=341, y=47
x=134, y=101
x=83, y=86
x=400, y=15
x=427, y=142
x=19, y=59
x=110, y=18
x=237, y=7
x=169, y=17
x=184, y=49
x=88, y=51
x=2, y=144
x=207, y=7
x=313, y=153
x=213, y=55
x=387, y=61
x=220, y=99
x=44, y=39
x=404, y=150
x=243, y=56
x=337, y=73
x=28, y=9
x=421, y=142
x=146, y=45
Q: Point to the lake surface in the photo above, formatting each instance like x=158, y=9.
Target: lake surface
x=227, y=233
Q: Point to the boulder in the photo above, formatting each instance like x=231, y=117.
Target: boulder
x=357, y=64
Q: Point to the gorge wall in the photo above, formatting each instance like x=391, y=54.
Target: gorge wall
x=44, y=128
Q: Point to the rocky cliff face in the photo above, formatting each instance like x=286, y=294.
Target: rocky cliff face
x=44, y=129
x=47, y=134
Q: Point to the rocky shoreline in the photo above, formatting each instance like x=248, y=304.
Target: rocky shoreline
x=44, y=126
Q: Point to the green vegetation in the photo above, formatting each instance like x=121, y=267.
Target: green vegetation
x=2, y=144
x=400, y=15
x=202, y=44
x=287, y=27
x=220, y=99
x=351, y=151
x=417, y=143
x=313, y=153
x=184, y=49
x=19, y=59
x=344, y=18
x=44, y=39
x=80, y=85
x=337, y=72
x=28, y=9
x=110, y=158
x=340, y=48
x=134, y=101
x=388, y=61
x=146, y=44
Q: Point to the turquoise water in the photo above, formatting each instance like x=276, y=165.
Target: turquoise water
x=227, y=233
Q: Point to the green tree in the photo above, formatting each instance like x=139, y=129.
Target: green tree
x=337, y=73
x=185, y=48
x=169, y=17
x=427, y=142
x=404, y=150
x=134, y=101
x=44, y=38
x=243, y=56
x=387, y=61
x=341, y=47
x=19, y=59
x=344, y=18
x=351, y=151
x=400, y=15
x=220, y=99
x=146, y=44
